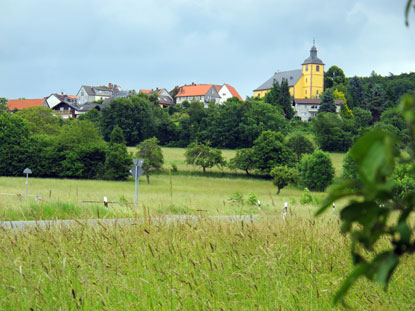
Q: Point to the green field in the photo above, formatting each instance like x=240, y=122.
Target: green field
x=269, y=264
x=187, y=191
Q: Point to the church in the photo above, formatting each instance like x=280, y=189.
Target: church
x=305, y=85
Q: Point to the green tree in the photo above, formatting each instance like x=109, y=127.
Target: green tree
x=375, y=99
x=300, y=145
x=327, y=102
x=14, y=144
x=355, y=90
x=279, y=96
x=118, y=161
x=362, y=118
x=283, y=176
x=151, y=152
x=269, y=151
x=3, y=104
x=333, y=77
x=134, y=115
x=316, y=171
x=243, y=160
x=332, y=133
x=41, y=120
x=92, y=115
x=203, y=155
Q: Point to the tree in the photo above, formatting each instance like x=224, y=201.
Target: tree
x=355, y=90
x=283, y=176
x=92, y=115
x=151, y=152
x=118, y=161
x=332, y=133
x=243, y=160
x=375, y=99
x=14, y=144
x=300, y=145
x=327, y=102
x=203, y=155
x=333, y=77
x=3, y=104
x=41, y=120
x=279, y=96
x=134, y=115
x=316, y=171
x=269, y=151
x=362, y=117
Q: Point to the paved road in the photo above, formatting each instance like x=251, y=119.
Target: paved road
x=128, y=221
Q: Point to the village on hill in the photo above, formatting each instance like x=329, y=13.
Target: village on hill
x=306, y=86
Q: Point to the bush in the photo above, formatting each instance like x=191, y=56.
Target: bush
x=316, y=171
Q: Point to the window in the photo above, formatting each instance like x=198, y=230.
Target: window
x=317, y=92
x=306, y=80
x=306, y=91
x=61, y=108
x=317, y=68
x=306, y=67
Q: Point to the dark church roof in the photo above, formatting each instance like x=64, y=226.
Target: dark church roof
x=313, y=59
x=291, y=76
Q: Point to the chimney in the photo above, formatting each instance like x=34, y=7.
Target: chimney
x=193, y=83
x=110, y=86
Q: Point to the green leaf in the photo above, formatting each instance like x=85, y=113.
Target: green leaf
x=359, y=271
x=383, y=266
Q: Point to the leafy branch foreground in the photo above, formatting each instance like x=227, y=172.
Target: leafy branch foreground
x=204, y=265
x=376, y=213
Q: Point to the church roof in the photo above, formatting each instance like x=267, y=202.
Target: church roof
x=313, y=59
x=291, y=76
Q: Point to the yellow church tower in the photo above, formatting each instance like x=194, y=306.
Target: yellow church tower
x=313, y=75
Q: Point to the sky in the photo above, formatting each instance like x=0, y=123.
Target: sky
x=49, y=46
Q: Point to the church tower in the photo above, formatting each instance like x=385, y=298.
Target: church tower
x=313, y=75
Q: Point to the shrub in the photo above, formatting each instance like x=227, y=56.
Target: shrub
x=316, y=171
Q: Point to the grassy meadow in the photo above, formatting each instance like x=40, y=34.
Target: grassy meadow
x=187, y=191
x=269, y=264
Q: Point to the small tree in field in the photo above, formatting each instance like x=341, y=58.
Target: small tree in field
x=243, y=161
x=283, y=176
x=316, y=171
x=150, y=151
x=118, y=160
x=203, y=155
x=300, y=145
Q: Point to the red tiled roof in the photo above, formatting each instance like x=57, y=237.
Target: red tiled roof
x=20, y=104
x=194, y=90
x=146, y=91
x=233, y=91
x=72, y=96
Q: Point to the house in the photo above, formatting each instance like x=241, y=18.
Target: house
x=63, y=105
x=307, y=82
x=307, y=108
x=228, y=91
x=95, y=93
x=164, y=96
x=206, y=93
x=19, y=104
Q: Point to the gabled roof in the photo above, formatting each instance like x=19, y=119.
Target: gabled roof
x=20, y=104
x=233, y=91
x=291, y=76
x=146, y=91
x=166, y=100
x=194, y=90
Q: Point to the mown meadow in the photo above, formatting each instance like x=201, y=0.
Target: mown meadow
x=187, y=191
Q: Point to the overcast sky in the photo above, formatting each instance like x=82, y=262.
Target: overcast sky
x=49, y=46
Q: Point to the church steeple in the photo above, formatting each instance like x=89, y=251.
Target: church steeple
x=313, y=59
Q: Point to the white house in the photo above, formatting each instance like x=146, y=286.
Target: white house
x=89, y=94
x=307, y=108
x=228, y=91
